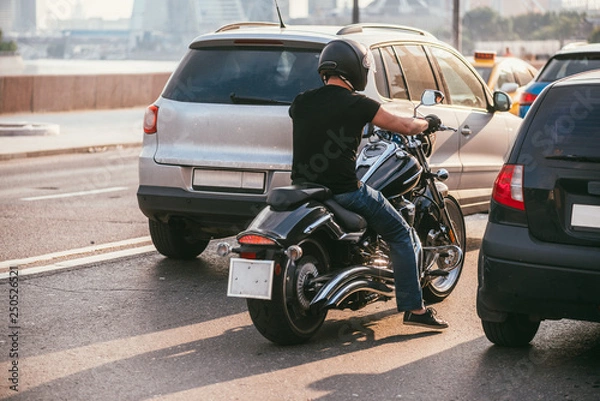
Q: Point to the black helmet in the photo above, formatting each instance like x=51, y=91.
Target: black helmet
x=347, y=59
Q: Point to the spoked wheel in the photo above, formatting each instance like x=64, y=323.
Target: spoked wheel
x=287, y=319
x=440, y=287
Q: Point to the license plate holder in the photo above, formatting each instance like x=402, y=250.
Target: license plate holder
x=250, y=278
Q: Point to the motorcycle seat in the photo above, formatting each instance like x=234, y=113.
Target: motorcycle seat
x=349, y=220
x=290, y=197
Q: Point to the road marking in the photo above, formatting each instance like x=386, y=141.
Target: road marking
x=81, y=261
x=6, y=265
x=72, y=194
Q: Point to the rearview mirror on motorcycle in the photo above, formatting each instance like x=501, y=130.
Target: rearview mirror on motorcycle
x=430, y=97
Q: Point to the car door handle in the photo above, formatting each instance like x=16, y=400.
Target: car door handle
x=466, y=130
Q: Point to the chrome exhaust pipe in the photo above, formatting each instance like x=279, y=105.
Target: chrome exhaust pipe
x=345, y=282
x=355, y=286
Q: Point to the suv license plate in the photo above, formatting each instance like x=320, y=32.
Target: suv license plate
x=250, y=278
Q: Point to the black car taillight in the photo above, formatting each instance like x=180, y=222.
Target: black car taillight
x=508, y=202
x=508, y=188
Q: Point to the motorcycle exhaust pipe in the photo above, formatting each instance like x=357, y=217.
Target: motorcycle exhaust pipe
x=355, y=286
x=337, y=285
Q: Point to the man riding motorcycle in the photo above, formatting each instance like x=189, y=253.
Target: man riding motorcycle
x=330, y=119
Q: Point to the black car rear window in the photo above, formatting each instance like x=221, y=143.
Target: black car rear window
x=566, y=124
x=248, y=75
x=569, y=64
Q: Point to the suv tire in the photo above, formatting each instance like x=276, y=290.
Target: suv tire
x=174, y=242
x=516, y=331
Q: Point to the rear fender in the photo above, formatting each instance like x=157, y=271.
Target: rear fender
x=289, y=227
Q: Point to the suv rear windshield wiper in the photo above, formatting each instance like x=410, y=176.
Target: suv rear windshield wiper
x=575, y=158
x=254, y=100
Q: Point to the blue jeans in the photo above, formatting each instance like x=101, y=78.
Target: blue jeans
x=390, y=225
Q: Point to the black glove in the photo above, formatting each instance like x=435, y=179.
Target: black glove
x=434, y=123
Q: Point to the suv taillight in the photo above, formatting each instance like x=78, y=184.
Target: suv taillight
x=150, y=119
x=508, y=188
x=527, y=98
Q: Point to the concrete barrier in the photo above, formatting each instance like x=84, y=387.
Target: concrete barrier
x=48, y=93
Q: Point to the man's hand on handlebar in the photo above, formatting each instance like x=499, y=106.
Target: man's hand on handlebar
x=434, y=123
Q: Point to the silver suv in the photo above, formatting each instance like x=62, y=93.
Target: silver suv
x=219, y=137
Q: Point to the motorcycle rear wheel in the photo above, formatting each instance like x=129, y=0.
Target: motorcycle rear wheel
x=286, y=318
x=439, y=288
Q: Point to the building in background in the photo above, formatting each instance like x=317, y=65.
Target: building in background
x=7, y=15
x=508, y=8
x=168, y=26
x=163, y=28
x=321, y=7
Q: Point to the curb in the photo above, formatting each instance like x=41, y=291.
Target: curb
x=28, y=129
x=55, y=152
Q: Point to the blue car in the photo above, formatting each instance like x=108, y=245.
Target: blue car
x=566, y=62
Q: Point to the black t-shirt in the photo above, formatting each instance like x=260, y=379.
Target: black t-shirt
x=328, y=125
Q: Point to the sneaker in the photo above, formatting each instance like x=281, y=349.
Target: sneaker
x=427, y=319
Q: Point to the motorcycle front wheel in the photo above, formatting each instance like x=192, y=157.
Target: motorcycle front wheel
x=439, y=288
x=286, y=319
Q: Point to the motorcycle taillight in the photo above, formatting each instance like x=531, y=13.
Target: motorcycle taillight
x=253, y=239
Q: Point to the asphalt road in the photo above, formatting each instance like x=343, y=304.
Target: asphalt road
x=56, y=203
x=143, y=327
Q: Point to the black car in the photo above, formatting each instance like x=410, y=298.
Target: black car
x=540, y=254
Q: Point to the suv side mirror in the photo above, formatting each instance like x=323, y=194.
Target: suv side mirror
x=502, y=102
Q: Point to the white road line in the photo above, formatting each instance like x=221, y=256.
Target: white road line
x=88, y=249
x=71, y=194
x=81, y=261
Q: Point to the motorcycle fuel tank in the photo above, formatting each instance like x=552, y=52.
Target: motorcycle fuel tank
x=388, y=169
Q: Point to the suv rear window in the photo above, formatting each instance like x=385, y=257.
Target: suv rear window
x=246, y=75
x=567, y=124
x=567, y=65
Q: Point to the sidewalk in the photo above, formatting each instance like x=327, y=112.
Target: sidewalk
x=78, y=131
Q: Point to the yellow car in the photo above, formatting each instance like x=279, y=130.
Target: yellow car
x=507, y=73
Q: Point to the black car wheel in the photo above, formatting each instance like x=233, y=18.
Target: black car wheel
x=516, y=331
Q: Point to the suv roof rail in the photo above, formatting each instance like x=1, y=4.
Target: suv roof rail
x=358, y=28
x=238, y=25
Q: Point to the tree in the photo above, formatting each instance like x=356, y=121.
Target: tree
x=563, y=26
x=484, y=24
x=595, y=36
x=7, y=46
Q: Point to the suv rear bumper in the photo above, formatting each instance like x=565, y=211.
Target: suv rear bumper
x=536, y=278
x=218, y=215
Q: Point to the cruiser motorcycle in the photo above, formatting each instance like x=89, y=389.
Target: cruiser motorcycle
x=304, y=254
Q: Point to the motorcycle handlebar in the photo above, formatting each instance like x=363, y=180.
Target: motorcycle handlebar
x=446, y=128
x=388, y=135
